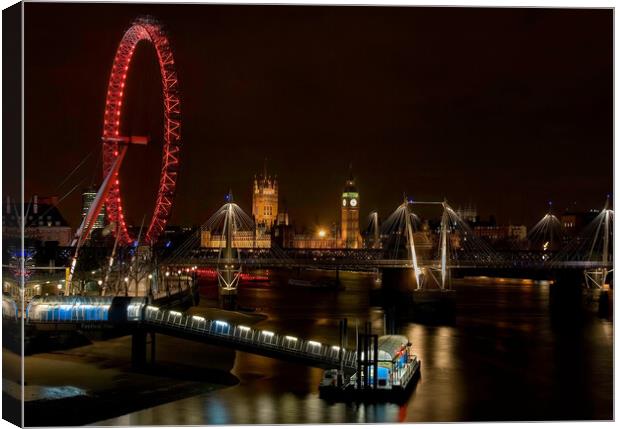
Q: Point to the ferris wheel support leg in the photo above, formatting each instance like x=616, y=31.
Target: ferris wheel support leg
x=95, y=208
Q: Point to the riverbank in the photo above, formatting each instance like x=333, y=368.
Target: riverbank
x=97, y=379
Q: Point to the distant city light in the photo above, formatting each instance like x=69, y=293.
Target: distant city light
x=322, y=233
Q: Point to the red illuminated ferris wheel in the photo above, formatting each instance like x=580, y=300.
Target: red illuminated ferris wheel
x=114, y=145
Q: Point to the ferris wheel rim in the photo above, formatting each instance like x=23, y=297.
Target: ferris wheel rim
x=143, y=29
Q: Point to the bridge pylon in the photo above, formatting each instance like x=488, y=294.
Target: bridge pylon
x=229, y=262
x=443, y=282
x=445, y=223
x=597, y=277
x=417, y=272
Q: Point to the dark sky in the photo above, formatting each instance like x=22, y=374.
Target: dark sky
x=503, y=108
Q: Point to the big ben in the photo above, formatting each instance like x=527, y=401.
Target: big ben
x=350, y=215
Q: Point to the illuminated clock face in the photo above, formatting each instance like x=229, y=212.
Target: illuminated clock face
x=353, y=202
x=344, y=203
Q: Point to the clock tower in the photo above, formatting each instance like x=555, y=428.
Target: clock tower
x=350, y=215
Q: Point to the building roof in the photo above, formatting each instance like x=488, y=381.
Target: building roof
x=389, y=345
x=46, y=215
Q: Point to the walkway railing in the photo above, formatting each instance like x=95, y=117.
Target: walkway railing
x=250, y=338
x=61, y=310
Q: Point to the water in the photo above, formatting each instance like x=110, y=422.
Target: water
x=505, y=358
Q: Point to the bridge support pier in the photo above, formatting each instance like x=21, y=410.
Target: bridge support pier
x=343, y=345
x=425, y=305
x=153, y=347
x=605, y=305
x=139, y=348
x=367, y=358
x=398, y=279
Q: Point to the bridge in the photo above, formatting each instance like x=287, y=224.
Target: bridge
x=397, y=245
x=369, y=259
x=138, y=317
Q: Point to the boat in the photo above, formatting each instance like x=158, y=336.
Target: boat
x=397, y=371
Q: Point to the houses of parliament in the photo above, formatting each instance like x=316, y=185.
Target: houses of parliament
x=272, y=225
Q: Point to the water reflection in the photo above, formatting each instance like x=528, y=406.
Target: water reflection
x=501, y=360
x=33, y=393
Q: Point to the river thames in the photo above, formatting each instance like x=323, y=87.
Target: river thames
x=506, y=357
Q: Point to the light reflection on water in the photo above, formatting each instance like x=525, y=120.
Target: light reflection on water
x=503, y=359
x=33, y=393
x=284, y=408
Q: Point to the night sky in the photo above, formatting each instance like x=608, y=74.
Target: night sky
x=502, y=108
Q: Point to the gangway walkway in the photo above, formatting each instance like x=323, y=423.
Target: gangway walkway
x=137, y=314
x=240, y=337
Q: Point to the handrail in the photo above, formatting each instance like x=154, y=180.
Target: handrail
x=140, y=312
x=244, y=335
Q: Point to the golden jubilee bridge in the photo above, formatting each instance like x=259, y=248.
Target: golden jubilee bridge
x=398, y=244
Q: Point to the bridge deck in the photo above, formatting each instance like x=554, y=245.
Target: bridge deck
x=192, y=327
x=371, y=264
x=239, y=337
